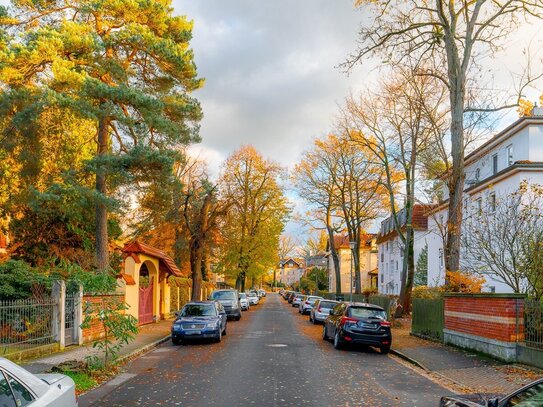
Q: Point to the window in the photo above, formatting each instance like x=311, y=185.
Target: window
x=6, y=398
x=21, y=393
x=477, y=174
x=396, y=265
x=441, y=259
x=382, y=257
x=532, y=396
x=492, y=289
x=492, y=203
x=494, y=163
x=509, y=154
x=479, y=206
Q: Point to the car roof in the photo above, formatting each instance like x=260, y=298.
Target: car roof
x=225, y=289
x=201, y=303
x=365, y=305
x=38, y=386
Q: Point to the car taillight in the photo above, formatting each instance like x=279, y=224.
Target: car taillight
x=307, y=303
x=385, y=323
x=345, y=320
x=319, y=309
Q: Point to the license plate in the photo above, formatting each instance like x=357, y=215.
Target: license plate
x=193, y=332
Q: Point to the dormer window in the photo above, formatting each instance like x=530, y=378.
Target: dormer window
x=477, y=174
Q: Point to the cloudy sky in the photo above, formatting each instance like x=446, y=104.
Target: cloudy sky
x=271, y=73
x=270, y=69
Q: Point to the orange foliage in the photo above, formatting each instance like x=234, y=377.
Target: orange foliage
x=461, y=282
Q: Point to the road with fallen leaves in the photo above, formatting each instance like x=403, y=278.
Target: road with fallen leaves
x=272, y=357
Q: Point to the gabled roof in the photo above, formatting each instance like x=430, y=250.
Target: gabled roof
x=165, y=262
x=342, y=241
x=299, y=262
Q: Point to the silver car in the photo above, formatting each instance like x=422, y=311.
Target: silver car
x=253, y=298
x=244, y=301
x=307, y=304
x=19, y=387
x=297, y=299
x=320, y=310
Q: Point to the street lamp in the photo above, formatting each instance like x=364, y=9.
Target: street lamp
x=352, y=245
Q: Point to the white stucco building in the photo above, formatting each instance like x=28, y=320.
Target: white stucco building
x=495, y=169
x=391, y=250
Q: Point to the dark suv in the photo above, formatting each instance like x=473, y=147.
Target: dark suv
x=358, y=323
x=230, y=301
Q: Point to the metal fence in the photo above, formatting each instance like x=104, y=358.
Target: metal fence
x=428, y=317
x=533, y=323
x=26, y=323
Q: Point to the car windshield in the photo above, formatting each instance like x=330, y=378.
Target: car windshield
x=312, y=299
x=360, y=312
x=224, y=295
x=243, y=296
x=327, y=304
x=198, y=310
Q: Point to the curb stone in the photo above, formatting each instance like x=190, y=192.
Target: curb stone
x=409, y=359
x=143, y=349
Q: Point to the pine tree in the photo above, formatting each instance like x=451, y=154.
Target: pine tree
x=124, y=65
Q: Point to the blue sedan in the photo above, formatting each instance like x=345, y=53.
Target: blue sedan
x=199, y=320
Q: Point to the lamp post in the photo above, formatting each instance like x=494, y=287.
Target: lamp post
x=352, y=245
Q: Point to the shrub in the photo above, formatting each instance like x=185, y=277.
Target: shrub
x=424, y=291
x=463, y=282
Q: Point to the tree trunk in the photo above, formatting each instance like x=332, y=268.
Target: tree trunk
x=456, y=181
x=196, y=255
x=408, y=263
x=356, y=268
x=102, y=249
x=333, y=252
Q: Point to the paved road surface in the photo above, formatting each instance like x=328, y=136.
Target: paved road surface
x=272, y=357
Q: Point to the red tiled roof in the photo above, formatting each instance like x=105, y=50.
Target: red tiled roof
x=165, y=261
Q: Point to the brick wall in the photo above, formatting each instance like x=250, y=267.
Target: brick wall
x=490, y=323
x=493, y=317
x=95, y=330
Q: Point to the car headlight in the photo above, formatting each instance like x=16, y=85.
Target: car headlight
x=211, y=325
x=178, y=326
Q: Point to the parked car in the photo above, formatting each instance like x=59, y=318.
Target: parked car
x=282, y=292
x=320, y=310
x=19, y=387
x=297, y=299
x=287, y=294
x=200, y=319
x=529, y=395
x=253, y=298
x=290, y=296
x=244, y=301
x=293, y=296
x=358, y=323
x=262, y=292
x=229, y=300
x=307, y=303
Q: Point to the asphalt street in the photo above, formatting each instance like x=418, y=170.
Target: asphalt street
x=272, y=357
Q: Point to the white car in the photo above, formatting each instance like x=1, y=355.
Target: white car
x=307, y=303
x=244, y=301
x=253, y=298
x=19, y=388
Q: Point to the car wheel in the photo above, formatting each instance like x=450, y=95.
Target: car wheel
x=238, y=317
x=176, y=341
x=224, y=331
x=337, y=341
x=385, y=349
x=219, y=337
x=324, y=335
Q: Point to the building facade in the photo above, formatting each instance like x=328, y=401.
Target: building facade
x=368, y=263
x=290, y=270
x=496, y=169
x=391, y=251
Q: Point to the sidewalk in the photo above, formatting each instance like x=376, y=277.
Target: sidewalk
x=470, y=372
x=149, y=336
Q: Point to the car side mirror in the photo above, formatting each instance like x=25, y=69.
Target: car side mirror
x=177, y=314
x=492, y=402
